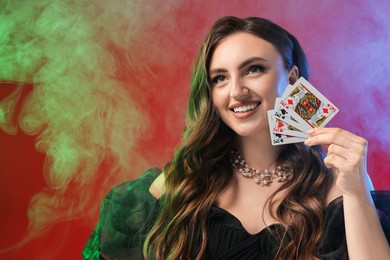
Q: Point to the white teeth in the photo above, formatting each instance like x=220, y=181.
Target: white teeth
x=244, y=108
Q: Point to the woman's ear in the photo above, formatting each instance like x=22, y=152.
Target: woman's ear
x=293, y=75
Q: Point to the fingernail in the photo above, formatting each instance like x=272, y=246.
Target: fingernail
x=307, y=142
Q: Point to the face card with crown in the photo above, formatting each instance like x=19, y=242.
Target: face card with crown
x=285, y=114
x=308, y=103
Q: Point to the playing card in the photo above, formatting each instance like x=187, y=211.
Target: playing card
x=288, y=89
x=280, y=127
x=288, y=116
x=308, y=103
x=301, y=108
x=278, y=139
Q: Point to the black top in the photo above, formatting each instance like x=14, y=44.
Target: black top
x=129, y=210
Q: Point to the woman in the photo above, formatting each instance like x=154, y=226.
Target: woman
x=202, y=207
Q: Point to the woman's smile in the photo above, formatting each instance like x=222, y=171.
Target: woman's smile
x=245, y=110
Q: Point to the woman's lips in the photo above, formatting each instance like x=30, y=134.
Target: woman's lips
x=246, y=110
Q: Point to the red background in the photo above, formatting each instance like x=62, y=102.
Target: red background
x=347, y=46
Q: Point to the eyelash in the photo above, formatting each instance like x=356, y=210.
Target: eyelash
x=217, y=79
x=259, y=68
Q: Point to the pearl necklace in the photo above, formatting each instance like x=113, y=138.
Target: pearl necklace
x=265, y=177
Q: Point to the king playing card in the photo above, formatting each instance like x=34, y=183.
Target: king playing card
x=309, y=104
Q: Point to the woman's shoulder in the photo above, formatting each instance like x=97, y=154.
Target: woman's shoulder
x=126, y=214
x=333, y=193
x=128, y=204
x=130, y=198
x=156, y=189
x=141, y=183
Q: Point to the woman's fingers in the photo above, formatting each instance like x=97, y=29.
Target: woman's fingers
x=328, y=136
x=341, y=163
x=346, y=156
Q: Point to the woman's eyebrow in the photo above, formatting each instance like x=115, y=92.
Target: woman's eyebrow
x=217, y=71
x=250, y=60
x=242, y=65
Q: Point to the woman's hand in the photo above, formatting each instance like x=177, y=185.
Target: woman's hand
x=347, y=156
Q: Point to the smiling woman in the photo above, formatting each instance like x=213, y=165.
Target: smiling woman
x=247, y=74
x=202, y=206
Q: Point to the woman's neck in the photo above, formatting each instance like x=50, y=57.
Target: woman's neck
x=258, y=152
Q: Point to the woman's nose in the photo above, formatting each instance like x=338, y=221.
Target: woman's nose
x=238, y=89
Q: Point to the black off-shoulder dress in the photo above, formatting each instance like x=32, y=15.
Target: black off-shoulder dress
x=129, y=210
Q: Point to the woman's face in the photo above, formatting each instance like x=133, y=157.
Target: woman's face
x=247, y=73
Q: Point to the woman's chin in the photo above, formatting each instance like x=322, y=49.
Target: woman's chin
x=253, y=132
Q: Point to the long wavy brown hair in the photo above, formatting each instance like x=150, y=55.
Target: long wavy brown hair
x=200, y=169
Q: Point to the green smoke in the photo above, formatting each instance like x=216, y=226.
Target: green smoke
x=81, y=112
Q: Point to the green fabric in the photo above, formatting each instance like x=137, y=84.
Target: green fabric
x=126, y=215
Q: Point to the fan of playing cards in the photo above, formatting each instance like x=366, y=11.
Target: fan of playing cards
x=300, y=108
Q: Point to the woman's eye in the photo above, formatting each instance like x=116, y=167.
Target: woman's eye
x=255, y=69
x=218, y=79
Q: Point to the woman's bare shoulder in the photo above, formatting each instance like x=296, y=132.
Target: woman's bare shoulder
x=333, y=193
x=157, y=187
